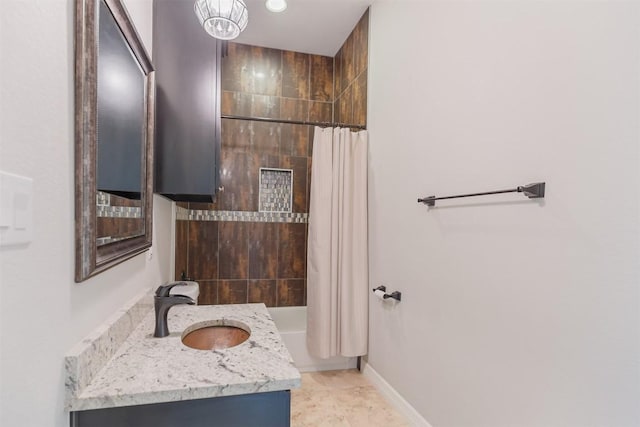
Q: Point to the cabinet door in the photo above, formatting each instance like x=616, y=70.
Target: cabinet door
x=187, y=149
x=272, y=409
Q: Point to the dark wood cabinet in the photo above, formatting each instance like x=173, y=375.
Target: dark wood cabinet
x=120, y=112
x=187, y=148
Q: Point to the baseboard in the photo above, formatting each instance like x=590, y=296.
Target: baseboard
x=333, y=364
x=396, y=400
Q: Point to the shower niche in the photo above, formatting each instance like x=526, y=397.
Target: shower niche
x=276, y=190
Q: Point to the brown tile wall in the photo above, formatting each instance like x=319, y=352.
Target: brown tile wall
x=239, y=262
x=120, y=227
x=350, y=82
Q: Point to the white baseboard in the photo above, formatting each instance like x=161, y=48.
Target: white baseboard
x=396, y=400
x=347, y=363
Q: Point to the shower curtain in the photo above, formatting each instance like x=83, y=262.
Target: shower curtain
x=337, y=261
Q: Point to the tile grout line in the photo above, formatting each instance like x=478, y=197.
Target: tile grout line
x=248, y=263
x=217, y=282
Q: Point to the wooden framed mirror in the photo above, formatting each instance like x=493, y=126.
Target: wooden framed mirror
x=114, y=122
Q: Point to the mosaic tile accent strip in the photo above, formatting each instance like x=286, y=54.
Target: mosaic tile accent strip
x=103, y=199
x=183, y=214
x=103, y=211
x=276, y=190
x=100, y=241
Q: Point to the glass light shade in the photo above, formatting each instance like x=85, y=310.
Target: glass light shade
x=222, y=19
x=276, y=5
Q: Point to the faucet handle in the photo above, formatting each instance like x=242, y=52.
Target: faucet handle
x=163, y=290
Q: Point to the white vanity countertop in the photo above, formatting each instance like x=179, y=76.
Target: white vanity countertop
x=148, y=370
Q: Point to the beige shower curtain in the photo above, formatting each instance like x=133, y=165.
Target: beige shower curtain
x=337, y=261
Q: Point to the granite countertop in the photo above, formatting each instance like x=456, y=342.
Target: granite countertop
x=147, y=370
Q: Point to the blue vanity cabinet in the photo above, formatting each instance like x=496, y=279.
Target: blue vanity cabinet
x=187, y=146
x=271, y=409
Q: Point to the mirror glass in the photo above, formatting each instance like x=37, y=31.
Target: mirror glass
x=114, y=138
x=121, y=91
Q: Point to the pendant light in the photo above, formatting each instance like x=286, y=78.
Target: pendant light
x=222, y=19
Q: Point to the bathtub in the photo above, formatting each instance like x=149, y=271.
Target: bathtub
x=292, y=325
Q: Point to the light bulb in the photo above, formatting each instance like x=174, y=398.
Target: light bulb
x=276, y=5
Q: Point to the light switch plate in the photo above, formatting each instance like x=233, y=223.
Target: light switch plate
x=16, y=209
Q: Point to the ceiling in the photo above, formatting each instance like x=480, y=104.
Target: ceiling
x=311, y=26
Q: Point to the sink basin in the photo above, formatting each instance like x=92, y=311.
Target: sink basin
x=215, y=334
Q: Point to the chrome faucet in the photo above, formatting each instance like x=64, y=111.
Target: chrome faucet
x=162, y=302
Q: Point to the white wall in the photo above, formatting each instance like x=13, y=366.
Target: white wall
x=43, y=313
x=514, y=312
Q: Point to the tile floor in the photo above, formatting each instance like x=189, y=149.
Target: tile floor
x=341, y=399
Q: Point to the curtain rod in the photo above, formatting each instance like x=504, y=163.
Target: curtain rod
x=293, y=122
